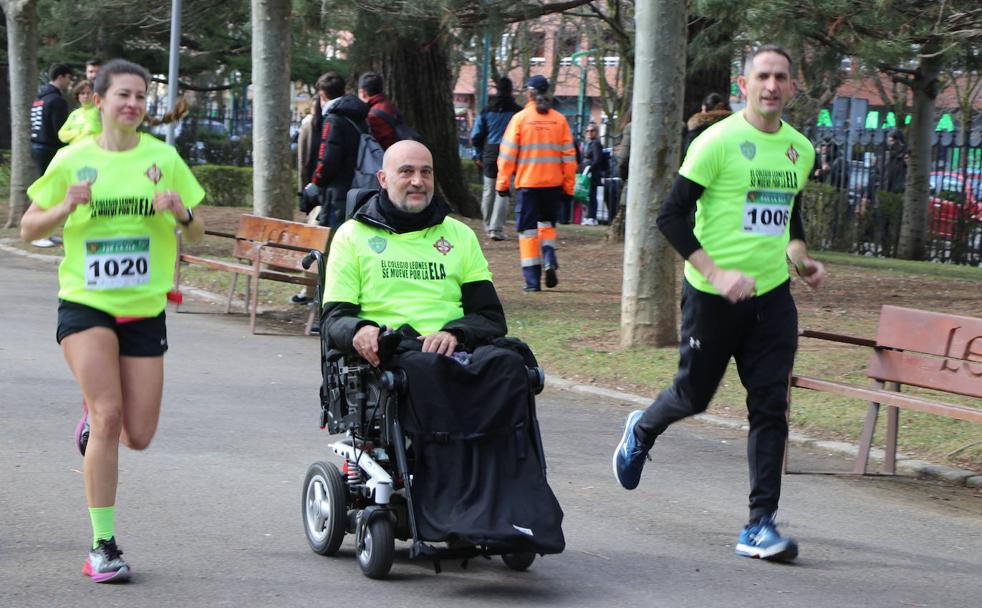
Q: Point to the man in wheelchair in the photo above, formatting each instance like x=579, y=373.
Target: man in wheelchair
x=404, y=263
x=407, y=289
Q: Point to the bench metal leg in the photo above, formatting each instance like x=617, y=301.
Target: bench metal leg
x=231, y=292
x=866, y=439
x=787, y=442
x=253, y=302
x=893, y=422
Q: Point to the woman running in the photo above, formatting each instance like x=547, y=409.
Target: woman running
x=121, y=195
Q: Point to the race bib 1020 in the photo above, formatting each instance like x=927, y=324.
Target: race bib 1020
x=115, y=263
x=767, y=212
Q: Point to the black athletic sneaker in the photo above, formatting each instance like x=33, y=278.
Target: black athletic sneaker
x=105, y=563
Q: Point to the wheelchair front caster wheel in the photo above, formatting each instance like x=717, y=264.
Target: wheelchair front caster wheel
x=324, y=506
x=518, y=561
x=375, y=557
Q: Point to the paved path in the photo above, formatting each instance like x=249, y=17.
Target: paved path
x=210, y=515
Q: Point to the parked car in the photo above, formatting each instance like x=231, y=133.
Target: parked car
x=945, y=213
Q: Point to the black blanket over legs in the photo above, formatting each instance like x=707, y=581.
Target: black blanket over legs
x=477, y=477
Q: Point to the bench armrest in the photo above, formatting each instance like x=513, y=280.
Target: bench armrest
x=840, y=338
x=279, y=245
x=221, y=234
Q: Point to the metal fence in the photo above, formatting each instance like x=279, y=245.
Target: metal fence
x=854, y=201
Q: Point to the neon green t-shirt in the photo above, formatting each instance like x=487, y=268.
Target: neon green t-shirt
x=81, y=122
x=412, y=278
x=750, y=179
x=119, y=253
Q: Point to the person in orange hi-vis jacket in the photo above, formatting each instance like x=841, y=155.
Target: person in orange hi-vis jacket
x=537, y=149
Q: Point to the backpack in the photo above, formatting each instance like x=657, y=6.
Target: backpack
x=368, y=162
x=399, y=128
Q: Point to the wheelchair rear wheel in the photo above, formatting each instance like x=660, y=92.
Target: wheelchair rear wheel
x=375, y=557
x=518, y=561
x=324, y=508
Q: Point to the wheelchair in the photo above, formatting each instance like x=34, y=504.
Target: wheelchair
x=371, y=494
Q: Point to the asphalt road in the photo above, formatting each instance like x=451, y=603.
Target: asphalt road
x=210, y=514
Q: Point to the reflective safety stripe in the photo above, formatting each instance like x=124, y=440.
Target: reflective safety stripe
x=529, y=250
x=547, y=234
x=540, y=159
x=532, y=233
x=506, y=155
x=556, y=147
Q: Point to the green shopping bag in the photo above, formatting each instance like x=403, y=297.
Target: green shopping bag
x=582, y=190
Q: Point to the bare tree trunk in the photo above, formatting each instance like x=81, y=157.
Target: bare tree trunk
x=272, y=177
x=913, y=224
x=648, y=302
x=416, y=71
x=22, y=51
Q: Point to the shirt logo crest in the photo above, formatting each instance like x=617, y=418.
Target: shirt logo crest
x=377, y=244
x=792, y=154
x=154, y=174
x=748, y=149
x=87, y=174
x=443, y=246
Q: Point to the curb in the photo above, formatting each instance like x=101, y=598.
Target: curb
x=905, y=464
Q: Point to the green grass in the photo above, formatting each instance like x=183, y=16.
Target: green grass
x=903, y=267
x=566, y=348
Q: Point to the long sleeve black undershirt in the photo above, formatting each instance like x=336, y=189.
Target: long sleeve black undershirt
x=673, y=218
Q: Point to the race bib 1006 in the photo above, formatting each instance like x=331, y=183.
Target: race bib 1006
x=767, y=211
x=115, y=263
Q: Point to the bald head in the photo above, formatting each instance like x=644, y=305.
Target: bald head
x=407, y=175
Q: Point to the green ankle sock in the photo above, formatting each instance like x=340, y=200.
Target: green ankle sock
x=102, y=523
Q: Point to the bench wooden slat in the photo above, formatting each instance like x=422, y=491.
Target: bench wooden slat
x=267, y=248
x=949, y=375
x=914, y=347
x=932, y=333
x=263, y=229
x=889, y=398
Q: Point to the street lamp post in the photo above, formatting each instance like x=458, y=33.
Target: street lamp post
x=175, y=56
x=580, y=104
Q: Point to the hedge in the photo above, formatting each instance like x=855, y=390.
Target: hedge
x=225, y=186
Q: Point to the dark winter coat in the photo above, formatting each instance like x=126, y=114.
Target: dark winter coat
x=593, y=157
x=48, y=113
x=381, y=129
x=895, y=170
x=339, y=148
x=489, y=128
x=484, y=318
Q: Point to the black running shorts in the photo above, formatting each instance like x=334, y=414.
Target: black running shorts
x=139, y=338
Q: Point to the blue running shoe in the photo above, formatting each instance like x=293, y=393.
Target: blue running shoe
x=630, y=455
x=761, y=539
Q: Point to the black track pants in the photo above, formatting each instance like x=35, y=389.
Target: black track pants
x=762, y=335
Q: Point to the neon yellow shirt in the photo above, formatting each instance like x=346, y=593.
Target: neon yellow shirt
x=81, y=122
x=750, y=178
x=412, y=278
x=119, y=253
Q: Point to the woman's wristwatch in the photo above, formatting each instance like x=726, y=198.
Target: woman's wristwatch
x=189, y=220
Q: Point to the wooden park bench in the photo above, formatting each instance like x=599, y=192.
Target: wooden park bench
x=266, y=248
x=913, y=347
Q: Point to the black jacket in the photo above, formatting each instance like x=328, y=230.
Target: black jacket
x=489, y=128
x=48, y=113
x=593, y=156
x=339, y=148
x=484, y=318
